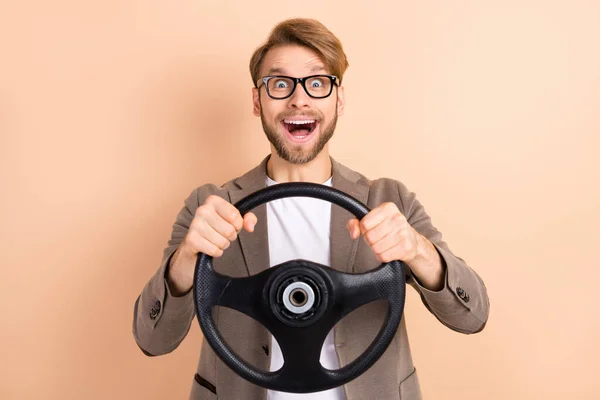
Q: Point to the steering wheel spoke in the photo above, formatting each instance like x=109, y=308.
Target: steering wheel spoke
x=355, y=290
x=244, y=294
x=301, y=347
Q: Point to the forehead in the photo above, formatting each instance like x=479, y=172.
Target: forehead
x=292, y=60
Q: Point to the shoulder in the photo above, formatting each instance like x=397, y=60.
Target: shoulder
x=199, y=194
x=386, y=189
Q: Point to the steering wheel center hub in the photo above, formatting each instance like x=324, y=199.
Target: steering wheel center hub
x=298, y=297
x=298, y=294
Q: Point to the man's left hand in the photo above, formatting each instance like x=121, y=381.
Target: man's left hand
x=388, y=233
x=391, y=237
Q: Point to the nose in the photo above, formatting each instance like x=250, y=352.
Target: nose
x=299, y=99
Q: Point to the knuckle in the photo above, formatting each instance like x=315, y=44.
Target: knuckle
x=202, y=211
x=233, y=216
x=231, y=235
x=193, y=227
x=192, y=238
x=224, y=242
x=200, y=246
x=234, y=229
x=376, y=250
x=212, y=199
x=398, y=217
x=239, y=224
x=214, y=251
x=198, y=227
x=192, y=244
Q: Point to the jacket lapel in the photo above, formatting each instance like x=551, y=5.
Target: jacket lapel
x=343, y=248
x=255, y=245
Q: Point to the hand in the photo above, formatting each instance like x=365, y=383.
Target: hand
x=215, y=225
x=388, y=233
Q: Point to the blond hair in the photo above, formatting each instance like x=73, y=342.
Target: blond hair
x=304, y=32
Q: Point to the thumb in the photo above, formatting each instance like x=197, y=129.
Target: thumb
x=353, y=228
x=250, y=221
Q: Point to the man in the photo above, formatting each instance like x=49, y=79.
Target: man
x=298, y=95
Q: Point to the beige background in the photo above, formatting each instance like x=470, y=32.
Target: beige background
x=111, y=112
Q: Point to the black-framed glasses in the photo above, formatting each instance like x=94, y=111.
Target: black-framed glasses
x=281, y=87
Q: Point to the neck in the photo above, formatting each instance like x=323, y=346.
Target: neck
x=316, y=171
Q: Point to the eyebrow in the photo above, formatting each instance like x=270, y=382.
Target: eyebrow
x=281, y=71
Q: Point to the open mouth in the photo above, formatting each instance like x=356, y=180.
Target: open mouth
x=299, y=130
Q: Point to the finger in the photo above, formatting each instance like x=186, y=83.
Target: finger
x=387, y=226
x=206, y=230
x=353, y=228
x=199, y=244
x=226, y=211
x=377, y=216
x=220, y=226
x=250, y=221
x=389, y=241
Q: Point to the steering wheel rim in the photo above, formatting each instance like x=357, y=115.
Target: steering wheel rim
x=254, y=296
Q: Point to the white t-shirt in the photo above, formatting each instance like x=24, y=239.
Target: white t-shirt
x=299, y=229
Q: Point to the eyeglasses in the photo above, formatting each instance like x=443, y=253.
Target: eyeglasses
x=281, y=87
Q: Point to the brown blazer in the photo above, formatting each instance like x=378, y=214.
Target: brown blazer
x=161, y=321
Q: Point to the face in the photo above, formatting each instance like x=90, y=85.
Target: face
x=299, y=126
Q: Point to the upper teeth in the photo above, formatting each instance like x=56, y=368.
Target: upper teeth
x=306, y=121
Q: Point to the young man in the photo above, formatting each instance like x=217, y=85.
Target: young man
x=298, y=95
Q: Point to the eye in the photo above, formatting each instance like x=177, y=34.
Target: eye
x=317, y=83
x=281, y=84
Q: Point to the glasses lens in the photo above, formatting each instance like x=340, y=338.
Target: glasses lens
x=318, y=86
x=280, y=87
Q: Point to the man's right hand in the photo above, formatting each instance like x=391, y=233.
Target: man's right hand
x=215, y=225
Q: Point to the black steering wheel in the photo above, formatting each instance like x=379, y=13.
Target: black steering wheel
x=299, y=302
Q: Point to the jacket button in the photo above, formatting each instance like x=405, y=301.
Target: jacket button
x=155, y=310
x=462, y=294
x=266, y=349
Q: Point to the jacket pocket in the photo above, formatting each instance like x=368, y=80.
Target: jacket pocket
x=409, y=388
x=203, y=389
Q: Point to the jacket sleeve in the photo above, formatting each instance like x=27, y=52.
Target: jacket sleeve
x=463, y=304
x=160, y=320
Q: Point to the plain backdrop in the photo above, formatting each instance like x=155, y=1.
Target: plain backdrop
x=112, y=112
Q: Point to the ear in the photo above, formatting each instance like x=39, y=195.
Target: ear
x=340, y=101
x=256, y=102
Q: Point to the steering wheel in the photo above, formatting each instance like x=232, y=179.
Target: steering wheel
x=299, y=302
